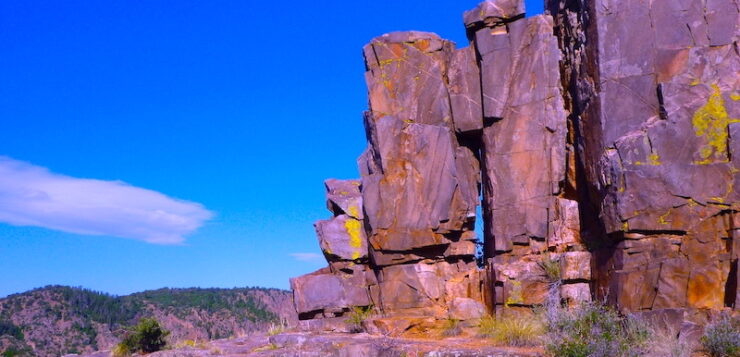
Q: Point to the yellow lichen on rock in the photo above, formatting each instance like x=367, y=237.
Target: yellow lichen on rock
x=515, y=296
x=711, y=122
x=354, y=230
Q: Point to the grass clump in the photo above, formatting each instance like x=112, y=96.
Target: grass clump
x=509, y=330
x=451, y=328
x=550, y=268
x=147, y=336
x=276, y=329
x=357, y=315
x=594, y=330
x=722, y=338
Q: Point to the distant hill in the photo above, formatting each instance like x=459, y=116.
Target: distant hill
x=57, y=320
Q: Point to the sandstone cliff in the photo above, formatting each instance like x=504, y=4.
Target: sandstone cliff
x=602, y=136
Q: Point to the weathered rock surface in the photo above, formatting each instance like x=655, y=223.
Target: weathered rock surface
x=301, y=344
x=602, y=138
x=654, y=98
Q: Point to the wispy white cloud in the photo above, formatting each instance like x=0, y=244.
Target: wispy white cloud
x=33, y=196
x=307, y=257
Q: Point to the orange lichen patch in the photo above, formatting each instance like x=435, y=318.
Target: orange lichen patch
x=705, y=289
x=398, y=50
x=711, y=121
x=388, y=85
x=669, y=63
x=422, y=45
x=398, y=54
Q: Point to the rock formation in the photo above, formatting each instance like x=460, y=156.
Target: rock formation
x=601, y=136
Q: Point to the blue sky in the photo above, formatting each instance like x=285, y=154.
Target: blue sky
x=223, y=116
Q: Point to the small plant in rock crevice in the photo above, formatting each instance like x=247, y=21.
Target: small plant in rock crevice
x=357, y=315
x=550, y=268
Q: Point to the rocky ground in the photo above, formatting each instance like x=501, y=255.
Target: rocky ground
x=305, y=344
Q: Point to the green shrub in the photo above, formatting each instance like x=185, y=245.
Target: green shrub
x=16, y=352
x=8, y=328
x=595, y=330
x=147, y=336
x=722, y=338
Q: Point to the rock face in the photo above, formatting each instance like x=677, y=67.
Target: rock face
x=600, y=137
x=656, y=123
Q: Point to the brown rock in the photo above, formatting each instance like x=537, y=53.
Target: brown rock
x=531, y=134
x=410, y=286
x=326, y=291
x=566, y=226
x=405, y=77
x=466, y=309
x=575, y=266
x=465, y=92
x=575, y=294
x=344, y=197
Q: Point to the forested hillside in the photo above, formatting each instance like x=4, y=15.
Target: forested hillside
x=57, y=320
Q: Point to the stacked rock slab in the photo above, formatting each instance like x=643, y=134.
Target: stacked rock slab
x=420, y=183
x=602, y=139
x=332, y=291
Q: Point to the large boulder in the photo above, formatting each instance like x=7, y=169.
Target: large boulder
x=326, y=294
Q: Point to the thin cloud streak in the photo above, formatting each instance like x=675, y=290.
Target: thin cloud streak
x=307, y=257
x=33, y=196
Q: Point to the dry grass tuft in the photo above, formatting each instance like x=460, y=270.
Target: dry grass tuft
x=510, y=330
